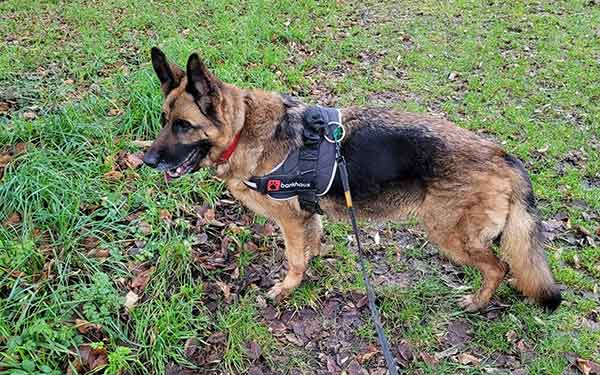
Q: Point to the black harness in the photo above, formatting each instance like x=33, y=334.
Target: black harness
x=308, y=171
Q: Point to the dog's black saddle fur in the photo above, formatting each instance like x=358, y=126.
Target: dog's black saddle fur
x=309, y=170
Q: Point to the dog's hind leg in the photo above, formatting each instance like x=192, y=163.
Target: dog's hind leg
x=294, y=235
x=455, y=244
x=492, y=271
x=480, y=226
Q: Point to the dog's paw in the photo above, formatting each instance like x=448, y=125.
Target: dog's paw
x=278, y=292
x=471, y=303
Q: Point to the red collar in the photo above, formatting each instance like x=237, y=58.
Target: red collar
x=230, y=149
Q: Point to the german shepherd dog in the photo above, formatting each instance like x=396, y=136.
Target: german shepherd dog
x=465, y=190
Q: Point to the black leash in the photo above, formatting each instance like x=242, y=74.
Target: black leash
x=383, y=342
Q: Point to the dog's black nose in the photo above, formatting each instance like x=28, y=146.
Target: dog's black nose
x=151, y=158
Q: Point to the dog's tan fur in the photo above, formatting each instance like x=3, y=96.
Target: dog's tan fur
x=480, y=196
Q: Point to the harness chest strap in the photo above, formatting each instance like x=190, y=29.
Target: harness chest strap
x=308, y=171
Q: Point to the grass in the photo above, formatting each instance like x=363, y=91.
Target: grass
x=80, y=89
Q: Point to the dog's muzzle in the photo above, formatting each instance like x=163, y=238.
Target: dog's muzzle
x=151, y=158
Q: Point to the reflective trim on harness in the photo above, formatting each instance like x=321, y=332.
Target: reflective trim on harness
x=330, y=180
x=335, y=166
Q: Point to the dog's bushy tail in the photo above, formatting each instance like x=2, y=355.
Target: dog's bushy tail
x=522, y=243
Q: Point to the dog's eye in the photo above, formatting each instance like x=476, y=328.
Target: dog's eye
x=182, y=125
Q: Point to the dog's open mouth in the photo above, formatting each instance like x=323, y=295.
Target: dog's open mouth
x=185, y=167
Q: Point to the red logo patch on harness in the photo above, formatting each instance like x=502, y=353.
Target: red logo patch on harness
x=273, y=185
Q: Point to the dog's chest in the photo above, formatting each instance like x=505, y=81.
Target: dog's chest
x=249, y=198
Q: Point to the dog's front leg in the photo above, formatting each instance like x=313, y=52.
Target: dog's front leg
x=293, y=230
x=313, y=230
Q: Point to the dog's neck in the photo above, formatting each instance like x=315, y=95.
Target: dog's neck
x=269, y=130
x=264, y=112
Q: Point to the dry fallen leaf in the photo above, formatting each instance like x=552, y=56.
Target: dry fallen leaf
x=209, y=214
x=5, y=159
x=141, y=280
x=191, y=346
x=583, y=366
x=233, y=228
x=47, y=273
x=29, y=115
x=216, y=223
x=522, y=346
x=251, y=246
x=354, y=368
x=294, y=339
x=405, y=354
x=13, y=219
x=511, y=336
x=429, y=359
x=115, y=112
x=91, y=357
x=113, y=176
x=369, y=352
x=236, y=273
x=459, y=332
x=217, y=338
x=143, y=144
x=525, y=350
x=90, y=242
x=134, y=216
x=16, y=274
x=4, y=107
x=144, y=227
x=20, y=148
x=165, y=216
x=98, y=253
x=134, y=160
x=264, y=230
x=467, y=359
x=587, y=367
x=332, y=366
x=131, y=300
x=253, y=350
x=84, y=326
x=544, y=149
x=225, y=288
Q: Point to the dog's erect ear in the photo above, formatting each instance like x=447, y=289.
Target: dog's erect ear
x=205, y=87
x=169, y=75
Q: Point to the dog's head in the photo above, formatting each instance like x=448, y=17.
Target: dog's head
x=198, y=122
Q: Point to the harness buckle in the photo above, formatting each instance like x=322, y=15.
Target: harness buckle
x=310, y=202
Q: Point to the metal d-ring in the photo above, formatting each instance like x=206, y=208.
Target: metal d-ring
x=339, y=126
